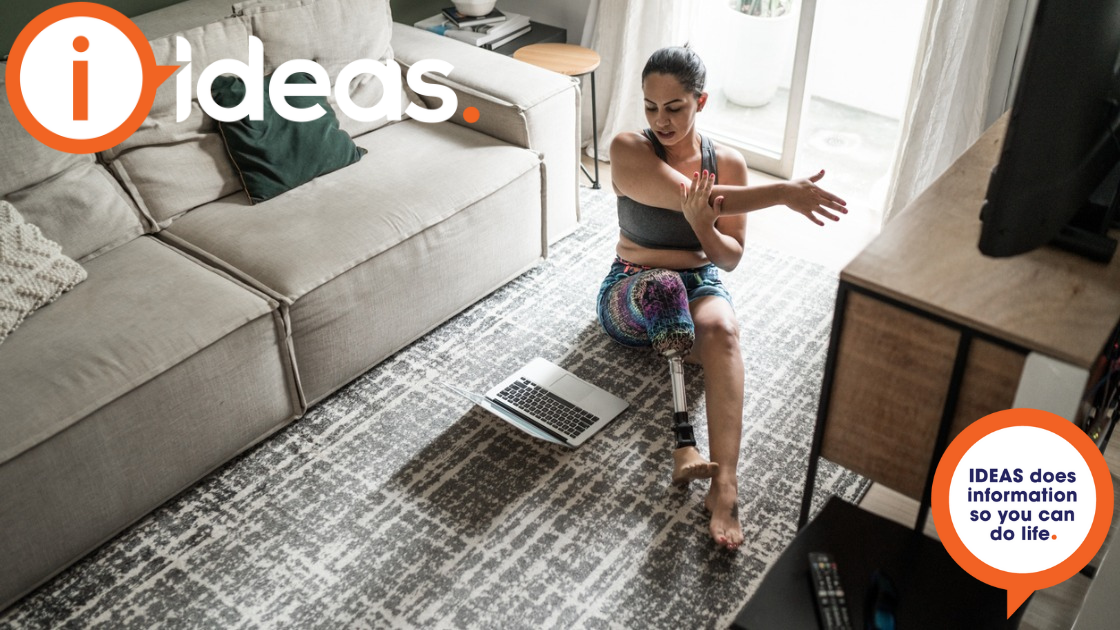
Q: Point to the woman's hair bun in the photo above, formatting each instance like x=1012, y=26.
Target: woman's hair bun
x=681, y=62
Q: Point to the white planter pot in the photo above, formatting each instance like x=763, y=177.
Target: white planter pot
x=759, y=47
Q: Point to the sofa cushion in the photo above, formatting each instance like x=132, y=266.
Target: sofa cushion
x=144, y=308
x=360, y=317
x=172, y=166
x=423, y=173
x=71, y=198
x=33, y=270
x=274, y=155
x=332, y=33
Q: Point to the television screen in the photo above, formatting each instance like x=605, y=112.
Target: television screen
x=1061, y=141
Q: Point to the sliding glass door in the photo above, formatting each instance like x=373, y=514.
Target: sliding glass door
x=757, y=52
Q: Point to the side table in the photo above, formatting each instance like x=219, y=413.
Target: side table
x=573, y=61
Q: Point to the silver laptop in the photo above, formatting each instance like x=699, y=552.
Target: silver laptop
x=550, y=403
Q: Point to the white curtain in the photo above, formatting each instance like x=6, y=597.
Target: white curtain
x=949, y=96
x=625, y=33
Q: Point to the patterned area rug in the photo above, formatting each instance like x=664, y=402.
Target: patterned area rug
x=395, y=503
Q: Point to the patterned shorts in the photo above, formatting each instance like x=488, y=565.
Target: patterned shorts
x=643, y=306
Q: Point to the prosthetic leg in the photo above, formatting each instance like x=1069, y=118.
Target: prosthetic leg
x=659, y=295
x=672, y=335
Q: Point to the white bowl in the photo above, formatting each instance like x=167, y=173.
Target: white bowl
x=475, y=7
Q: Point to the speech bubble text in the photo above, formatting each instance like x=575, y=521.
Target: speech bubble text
x=1022, y=500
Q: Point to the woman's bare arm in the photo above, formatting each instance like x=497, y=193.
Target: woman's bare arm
x=721, y=235
x=639, y=174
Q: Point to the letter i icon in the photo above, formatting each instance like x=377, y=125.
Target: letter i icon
x=81, y=81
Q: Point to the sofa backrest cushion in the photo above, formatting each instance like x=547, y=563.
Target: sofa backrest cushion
x=71, y=198
x=332, y=33
x=172, y=167
x=169, y=166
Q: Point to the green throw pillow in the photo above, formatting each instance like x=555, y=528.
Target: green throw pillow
x=274, y=155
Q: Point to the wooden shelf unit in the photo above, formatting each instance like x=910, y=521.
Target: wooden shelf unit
x=928, y=329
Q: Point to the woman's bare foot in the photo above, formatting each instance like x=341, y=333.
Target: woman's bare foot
x=688, y=464
x=723, y=502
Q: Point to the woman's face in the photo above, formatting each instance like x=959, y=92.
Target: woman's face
x=670, y=108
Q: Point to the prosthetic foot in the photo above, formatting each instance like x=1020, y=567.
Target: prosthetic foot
x=688, y=465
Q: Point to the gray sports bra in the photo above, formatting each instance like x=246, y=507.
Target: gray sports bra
x=661, y=228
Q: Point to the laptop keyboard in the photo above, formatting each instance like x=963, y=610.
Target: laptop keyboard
x=561, y=415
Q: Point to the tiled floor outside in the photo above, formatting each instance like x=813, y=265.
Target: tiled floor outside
x=856, y=146
x=856, y=149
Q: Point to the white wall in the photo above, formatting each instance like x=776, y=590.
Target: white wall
x=569, y=14
x=1009, y=62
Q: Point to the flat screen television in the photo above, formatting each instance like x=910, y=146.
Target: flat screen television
x=1061, y=147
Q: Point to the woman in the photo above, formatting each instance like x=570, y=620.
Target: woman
x=682, y=202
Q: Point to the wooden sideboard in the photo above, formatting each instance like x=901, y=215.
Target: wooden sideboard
x=929, y=335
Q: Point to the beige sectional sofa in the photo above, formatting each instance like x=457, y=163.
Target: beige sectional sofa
x=206, y=323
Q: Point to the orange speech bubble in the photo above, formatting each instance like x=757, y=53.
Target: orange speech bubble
x=154, y=75
x=1020, y=586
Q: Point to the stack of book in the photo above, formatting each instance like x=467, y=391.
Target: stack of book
x=488, y=31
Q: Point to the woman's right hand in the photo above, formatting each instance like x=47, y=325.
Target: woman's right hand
x=805, y=197
x=699, y=213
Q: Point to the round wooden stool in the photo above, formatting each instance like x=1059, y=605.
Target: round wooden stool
x=573, y=61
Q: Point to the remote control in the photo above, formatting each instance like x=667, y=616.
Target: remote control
x=832, y=606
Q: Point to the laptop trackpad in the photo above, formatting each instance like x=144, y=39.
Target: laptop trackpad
x=571, y=389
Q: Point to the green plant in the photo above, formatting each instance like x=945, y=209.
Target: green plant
x=762, y=8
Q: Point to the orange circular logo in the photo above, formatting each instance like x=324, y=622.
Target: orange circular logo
x=81, y=77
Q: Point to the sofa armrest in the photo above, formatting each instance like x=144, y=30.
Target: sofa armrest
x=518, y=103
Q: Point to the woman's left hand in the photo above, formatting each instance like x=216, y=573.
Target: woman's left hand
x=694, y=201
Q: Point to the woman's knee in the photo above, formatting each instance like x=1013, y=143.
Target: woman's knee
x=719, y=331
